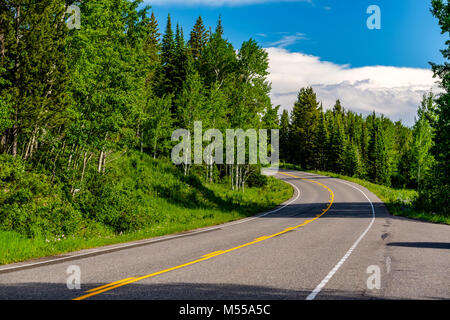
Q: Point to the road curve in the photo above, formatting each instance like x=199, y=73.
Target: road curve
x=321, y=244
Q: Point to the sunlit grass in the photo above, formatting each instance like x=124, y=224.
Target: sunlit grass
x=229, y=206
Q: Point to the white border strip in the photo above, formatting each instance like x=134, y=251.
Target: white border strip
x=141, y=243
x=324, y=282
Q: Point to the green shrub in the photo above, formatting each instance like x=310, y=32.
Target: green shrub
x=31, y=205
x=256, y=179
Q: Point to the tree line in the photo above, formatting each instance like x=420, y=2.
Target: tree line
x=73, y=101
x=373, y=148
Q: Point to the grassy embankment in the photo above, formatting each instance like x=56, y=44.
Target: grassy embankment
x=400, y=202
x=137, y=198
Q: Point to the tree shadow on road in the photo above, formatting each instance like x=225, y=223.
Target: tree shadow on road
x=172, y=291
x=421, y=245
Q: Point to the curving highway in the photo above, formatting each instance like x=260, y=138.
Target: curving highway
x=333, y=240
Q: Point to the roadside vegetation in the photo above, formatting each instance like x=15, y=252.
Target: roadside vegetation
x=399, y=202
x=86, y=120
x=137, y=198
x=87, y=116
x=390, y=155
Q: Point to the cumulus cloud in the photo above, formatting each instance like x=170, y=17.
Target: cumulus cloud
x=392, y=91
x=218, y=3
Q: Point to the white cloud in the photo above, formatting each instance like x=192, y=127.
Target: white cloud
x=392, y=91
x=288, y=40
x=217, y=3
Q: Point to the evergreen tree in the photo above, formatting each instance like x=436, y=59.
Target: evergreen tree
x=351, y=160
x=34, y=79
x=168, y=60
x=152, y=48
x=284, y=136
x=305, y=118
x=378, y=158
x=198, y=40
x=336, y=158
x=180, y=61
x=321, y=143
x=364, y=146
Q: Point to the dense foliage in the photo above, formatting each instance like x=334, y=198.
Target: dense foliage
x=372, y=148
x=435, y=194
x=82, y=111
x=76, y=103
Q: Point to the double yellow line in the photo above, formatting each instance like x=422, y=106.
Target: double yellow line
x=124, y=282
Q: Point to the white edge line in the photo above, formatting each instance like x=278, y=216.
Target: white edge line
x=155, y=240
x=324, y=282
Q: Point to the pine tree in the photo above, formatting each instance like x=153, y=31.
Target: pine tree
x=180, y=61
x=351, y=160
x=305, y=118
x=152, y=37
x=219, y=28
x=378, y=158
x=168, y=57
x=198, y=40
x=284, y=137
x=364, y=146
x=152, y=48
x=34, y=76
x=336, y=157
x=321, y=139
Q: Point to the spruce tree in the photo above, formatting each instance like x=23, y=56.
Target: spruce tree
x=305, y=118
x=198, y=40
x=152, y=48
x=168, y=57
x=34, y=79
x=321, y=144
x=284, y=137
x=180, y=61
x=336, y=157
x=378, y=157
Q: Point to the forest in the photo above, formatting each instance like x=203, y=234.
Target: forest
x=372, y=148
x=87, y=114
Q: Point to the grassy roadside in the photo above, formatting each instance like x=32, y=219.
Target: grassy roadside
x=192, y=206
x=400, y=202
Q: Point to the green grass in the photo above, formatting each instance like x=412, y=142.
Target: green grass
x=399, y=202
x=144, y=199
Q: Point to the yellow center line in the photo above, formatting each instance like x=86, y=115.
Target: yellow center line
x=211, y=255
x=109, y=284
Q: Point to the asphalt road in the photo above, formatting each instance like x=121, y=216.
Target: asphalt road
x=318, y=245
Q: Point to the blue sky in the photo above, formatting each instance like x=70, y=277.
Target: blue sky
x=334, y=32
